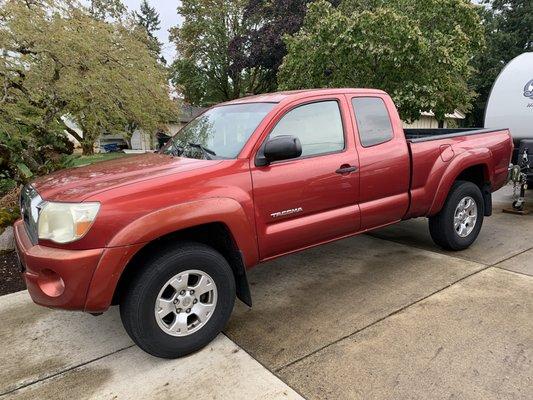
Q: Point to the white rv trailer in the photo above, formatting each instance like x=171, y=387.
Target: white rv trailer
x=510, y=101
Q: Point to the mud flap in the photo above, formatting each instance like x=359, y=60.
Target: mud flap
x=487, y=199
x=241, y=283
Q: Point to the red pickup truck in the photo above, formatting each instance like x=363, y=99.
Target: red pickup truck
x=169, y=236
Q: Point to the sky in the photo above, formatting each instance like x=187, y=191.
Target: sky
x=168, y=14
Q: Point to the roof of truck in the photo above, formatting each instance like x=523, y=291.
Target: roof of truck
x=277, y=97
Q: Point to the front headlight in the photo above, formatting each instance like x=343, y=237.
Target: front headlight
x=66, y=222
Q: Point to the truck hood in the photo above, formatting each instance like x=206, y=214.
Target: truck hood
x=77, y=184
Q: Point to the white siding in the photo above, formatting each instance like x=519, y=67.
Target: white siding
x=424, y=123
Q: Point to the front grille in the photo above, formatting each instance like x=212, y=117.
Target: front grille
x=29, y=208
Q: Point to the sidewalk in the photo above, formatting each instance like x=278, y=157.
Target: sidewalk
x=48, y=354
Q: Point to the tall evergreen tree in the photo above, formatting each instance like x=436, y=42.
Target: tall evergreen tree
x=148, y=18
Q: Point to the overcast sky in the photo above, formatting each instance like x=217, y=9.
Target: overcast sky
x=169, y=17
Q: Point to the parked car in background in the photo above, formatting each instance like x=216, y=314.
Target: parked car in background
x=169, y=236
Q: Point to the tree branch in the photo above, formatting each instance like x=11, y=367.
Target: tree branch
x=6, y=87
x=72, y=132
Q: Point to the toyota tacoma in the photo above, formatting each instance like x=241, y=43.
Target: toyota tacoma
x=169, y=236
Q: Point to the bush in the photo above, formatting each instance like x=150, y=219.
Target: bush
x=6, y=185
x=27, y=154
x=9, y=208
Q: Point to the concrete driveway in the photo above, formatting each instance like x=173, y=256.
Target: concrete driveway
x=381, y=316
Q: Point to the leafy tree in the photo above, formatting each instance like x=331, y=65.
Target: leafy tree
x=59, y=62
x=148, y=18
x=508, y=33
x=102, y=9
x=418, y=51
x=204, y=70
x=261, y=46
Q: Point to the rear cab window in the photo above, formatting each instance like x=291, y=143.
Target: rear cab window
x=373, y=120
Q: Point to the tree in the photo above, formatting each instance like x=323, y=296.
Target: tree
x=59, y=61
x=261, y=46
x=418, y=51
x=204, y=71
x=508, y=33
x=148, y=19
x=102, y=9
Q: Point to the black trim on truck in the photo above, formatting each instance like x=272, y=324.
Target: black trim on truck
x=425, y=135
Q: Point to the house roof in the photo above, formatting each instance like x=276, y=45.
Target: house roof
x=188, y=113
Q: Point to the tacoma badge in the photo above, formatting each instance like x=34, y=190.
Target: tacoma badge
x=286, y=212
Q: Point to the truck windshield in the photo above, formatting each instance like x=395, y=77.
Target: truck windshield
x=220, y=132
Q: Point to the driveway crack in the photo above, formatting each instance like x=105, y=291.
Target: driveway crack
x=401, y=309
x=45, y=378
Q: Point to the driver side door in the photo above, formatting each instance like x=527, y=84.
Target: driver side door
x=311, y=199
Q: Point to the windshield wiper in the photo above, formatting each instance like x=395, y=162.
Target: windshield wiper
x=175, y=150
x=207, y=152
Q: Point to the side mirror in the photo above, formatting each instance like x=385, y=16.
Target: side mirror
x=279, y=148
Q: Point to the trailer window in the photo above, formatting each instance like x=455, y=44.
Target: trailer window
x=373, y=121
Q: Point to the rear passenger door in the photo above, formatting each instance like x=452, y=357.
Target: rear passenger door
x=383, y=160
x=308, y=200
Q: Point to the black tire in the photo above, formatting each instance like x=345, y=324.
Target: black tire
x=441, y=226
x=138, y=302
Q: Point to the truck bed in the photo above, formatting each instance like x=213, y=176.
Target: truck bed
x=434, y=150
x=423, y=135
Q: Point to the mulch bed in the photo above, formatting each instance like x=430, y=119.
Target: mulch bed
x=10, y=278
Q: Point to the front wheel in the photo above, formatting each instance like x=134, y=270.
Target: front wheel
x=180, y=300
x=459, y=222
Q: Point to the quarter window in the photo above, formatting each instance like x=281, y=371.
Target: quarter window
x=317, y=125
x=373, y=121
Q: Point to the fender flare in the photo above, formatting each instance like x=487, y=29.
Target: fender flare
x=186, y=215
x=463, y=161
x=132, y=238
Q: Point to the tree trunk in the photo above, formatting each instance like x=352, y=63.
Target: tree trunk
x=87, y=147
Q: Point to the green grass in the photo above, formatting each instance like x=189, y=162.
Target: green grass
x=86, y=160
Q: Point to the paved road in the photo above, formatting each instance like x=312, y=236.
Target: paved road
x=385, y=315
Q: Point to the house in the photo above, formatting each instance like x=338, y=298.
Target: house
x=186, y=115
x=139, y=141
x=142, y=141
x=428, y=121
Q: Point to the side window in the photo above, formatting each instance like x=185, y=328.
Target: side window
x=317, y=125
x=373, y=121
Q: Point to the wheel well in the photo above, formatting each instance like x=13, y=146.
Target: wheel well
x=216, y=235
x=477, y=174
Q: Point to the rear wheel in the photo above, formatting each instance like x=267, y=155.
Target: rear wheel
x=180, y=301
x=459, y=222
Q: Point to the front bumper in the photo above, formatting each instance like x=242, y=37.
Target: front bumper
x=55, y=278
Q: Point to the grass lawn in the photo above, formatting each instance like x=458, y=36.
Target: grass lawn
x=86, y=160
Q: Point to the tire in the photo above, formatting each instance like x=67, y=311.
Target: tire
x=138, y=309
x=441, y=226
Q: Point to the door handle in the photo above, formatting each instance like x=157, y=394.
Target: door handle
x=346, y=169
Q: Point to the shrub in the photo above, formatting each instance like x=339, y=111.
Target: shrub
x=9, y=208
